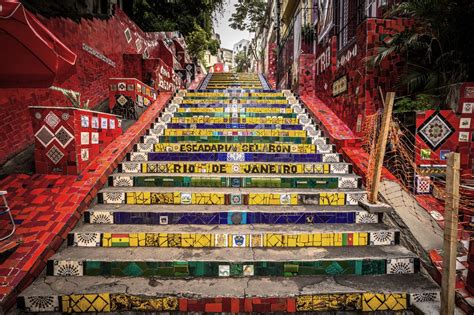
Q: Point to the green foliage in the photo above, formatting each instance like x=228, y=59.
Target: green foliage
x=249, y=15
x=213, y=46
x=438, y=50
x=197, y=43
x=242, y=62
x=192, y=18
x=419, y=102
x=73, y=96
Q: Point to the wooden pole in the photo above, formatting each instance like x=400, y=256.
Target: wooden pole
x=381, y=144
x=448, y=281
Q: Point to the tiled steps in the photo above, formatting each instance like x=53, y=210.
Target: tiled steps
x=235, y=236
x=242, y=262
x=240, y=181
x=267, y=294
x=235, y=214
x=231, y=215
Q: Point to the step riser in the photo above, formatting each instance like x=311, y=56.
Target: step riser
x=199, y=269
x=238, y=105
x=233, y=126
x=263, y=199
x=120, y=302
x=238, y=139
x=262, y=240
x=237, y=168
x=234, y=115
x=233, y=147
x=235, y=182
x=233, y=110
x=242, y=157
x=235, y=120
x=227, y=133
x=230, y=217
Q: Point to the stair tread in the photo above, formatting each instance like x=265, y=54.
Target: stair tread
x=236, y=229
x=221, y=208
x=231, y=254
x=233, y=287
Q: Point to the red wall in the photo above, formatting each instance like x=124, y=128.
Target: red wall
x=362, y=96
x=91, y=79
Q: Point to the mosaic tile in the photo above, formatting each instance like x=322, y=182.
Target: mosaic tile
x=44, y=136
x=63, y=136
x=224, y=270
x=365, y=217
x=41, y=303
x=101, y=217
x=68, y=268
x=435, y=130
x=423, y=184
x=54, y=154
x=52, y=120
x=123, y=181
x=382, y=238
x=79, y=303
x=400, y=265
x=372, y=302
x=87, y=239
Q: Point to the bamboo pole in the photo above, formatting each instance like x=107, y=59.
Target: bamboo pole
x=381, y=144
x=448, y=281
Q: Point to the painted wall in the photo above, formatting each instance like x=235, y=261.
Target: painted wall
x=99, y=45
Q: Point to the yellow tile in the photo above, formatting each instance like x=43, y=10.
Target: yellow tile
x=338, y=237
x=106, y=239
x=317, y=239
x=327, y=239
x=289, y=240
x=163, y=239
x=273, y=240
x=141, y=239
x=188, y=240
x=84, y=303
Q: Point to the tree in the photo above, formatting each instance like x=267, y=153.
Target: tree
x=437, y=50
x=192, y=18
x=249, y=15
x=197, y=43
x=242, y=62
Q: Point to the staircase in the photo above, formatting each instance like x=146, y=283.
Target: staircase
x=234, y=201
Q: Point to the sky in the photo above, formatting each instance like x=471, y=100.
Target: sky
x=228, y=35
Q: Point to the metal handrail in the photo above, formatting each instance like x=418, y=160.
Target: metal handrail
x=5, y=209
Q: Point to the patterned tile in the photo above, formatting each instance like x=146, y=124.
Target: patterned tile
x=400, y=265
x=41, y=303
x=366, y=217
x=435, y=130
x=382, y=238
x=65, y=268
x=55, y=154
x=52, y=120
x=101, y=217
x=87, y=239
x=44, y=136
x=63, y=136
